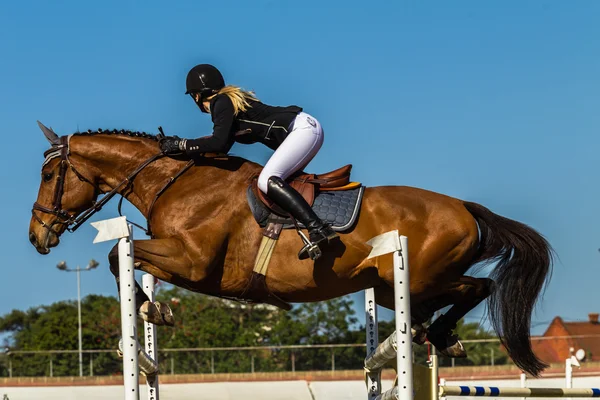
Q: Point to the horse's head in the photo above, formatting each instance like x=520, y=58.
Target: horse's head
x=63, y=194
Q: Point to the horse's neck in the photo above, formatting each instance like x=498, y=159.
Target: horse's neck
x=111, y=158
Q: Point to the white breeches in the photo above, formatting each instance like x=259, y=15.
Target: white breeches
x=296, y=151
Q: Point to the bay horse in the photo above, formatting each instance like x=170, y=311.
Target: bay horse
x=204, y=238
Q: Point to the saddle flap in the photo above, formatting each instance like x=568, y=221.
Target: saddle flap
x=305, y=187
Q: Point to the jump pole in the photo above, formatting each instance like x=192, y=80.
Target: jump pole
x=134, y=356
x=399, y=344
x=516, y=392
x=440, y=391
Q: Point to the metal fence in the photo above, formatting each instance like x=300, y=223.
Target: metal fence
x=284, y=358
x=173, y=361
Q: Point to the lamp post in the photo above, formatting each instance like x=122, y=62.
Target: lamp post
x=63, y=267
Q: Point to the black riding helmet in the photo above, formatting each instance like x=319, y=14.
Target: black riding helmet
x=204, y=79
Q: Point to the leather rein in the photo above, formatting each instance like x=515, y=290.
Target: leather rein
x=72, y=221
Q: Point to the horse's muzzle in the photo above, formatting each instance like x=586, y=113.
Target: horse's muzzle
x=33, y=239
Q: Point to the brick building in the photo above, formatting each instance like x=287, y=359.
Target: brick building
x=557, y=350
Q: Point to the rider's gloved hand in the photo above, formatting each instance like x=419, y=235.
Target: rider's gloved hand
x=172, y=145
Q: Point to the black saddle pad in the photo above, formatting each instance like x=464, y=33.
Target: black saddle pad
x=338, y=208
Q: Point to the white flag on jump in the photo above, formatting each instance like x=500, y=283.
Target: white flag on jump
x=385, y=243
x=109, y=229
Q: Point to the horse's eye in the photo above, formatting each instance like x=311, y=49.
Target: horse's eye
x=48, y=177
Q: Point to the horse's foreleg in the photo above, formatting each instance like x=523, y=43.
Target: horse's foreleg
x=162, y=258
x=113, y=260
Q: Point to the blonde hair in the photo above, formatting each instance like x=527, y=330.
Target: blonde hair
x=238, y=96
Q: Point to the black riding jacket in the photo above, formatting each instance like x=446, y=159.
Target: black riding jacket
x=262, y=123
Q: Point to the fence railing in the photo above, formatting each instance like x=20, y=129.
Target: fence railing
x=177, y=360
x=50, y=363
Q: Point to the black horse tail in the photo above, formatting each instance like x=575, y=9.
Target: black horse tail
x=524, y=260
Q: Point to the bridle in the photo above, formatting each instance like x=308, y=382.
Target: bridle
x=64, y=217
x=69, y=219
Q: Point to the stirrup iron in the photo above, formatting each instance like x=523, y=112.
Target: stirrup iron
x=313, y=250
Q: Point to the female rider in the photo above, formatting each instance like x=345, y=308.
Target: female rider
x=295, y=136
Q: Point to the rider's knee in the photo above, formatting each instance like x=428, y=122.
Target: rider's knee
x=263, y=181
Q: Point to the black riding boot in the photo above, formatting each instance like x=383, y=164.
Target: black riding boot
x=290, y=200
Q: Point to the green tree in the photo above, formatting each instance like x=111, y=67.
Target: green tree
x=55, y=327
x=208, y=322
x=326, y=322
x=203, y=321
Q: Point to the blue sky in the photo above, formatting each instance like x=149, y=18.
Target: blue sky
x=493, y=102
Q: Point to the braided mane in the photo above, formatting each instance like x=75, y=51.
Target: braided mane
x=124, y=132
x=55, y=150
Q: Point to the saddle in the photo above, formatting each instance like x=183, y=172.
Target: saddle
x=309, y=186
x=336, y=183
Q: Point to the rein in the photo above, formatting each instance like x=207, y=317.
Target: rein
x=73, y=223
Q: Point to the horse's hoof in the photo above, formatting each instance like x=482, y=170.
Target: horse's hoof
x=419, y=334
x=157, y=313
x=448, y=345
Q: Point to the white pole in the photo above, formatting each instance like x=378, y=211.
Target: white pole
x=128, y=317
x=403, y=321
x=399, y=344
x=373, y=379
x=79, y=320
x=435, y=381
x=568, y=374
x=150, y=338
x=523, y=381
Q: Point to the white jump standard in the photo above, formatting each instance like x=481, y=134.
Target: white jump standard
x=150, y=341
x=399, y=344
x=134, y=356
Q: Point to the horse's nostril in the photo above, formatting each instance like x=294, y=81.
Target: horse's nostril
x=32, y=238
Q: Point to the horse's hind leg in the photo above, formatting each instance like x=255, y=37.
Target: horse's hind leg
x=384, y=296
x=465, y=294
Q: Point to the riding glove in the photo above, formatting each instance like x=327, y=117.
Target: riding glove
x=172, y=145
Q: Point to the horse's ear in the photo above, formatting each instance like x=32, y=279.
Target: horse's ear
x=49, y=133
